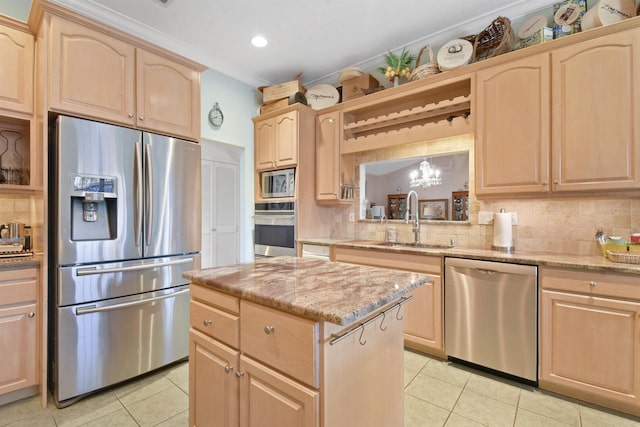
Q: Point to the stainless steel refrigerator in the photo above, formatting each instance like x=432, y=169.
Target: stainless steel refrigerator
x=125, y=212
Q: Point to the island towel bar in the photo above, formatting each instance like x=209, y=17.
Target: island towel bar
x=361, y=326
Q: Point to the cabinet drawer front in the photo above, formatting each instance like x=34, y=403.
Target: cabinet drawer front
x=17, y=286
x=593, y=283
x=285, y=342
x=218, y=299
x=215, y=323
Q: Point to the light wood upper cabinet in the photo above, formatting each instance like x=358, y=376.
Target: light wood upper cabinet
x=99, y=76
x=16, y=73
x=328, y=130
x=168, y=96
x=92, y=74
x=512, y=127
x=590, y=337
x=596, y=114
x=19, y=319
x=276, y=141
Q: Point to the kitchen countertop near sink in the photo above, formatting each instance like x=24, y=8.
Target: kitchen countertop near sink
x=593, y=263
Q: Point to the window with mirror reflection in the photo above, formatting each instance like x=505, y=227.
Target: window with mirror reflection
x=387, y=183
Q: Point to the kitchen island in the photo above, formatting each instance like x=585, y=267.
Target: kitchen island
x=297, y=342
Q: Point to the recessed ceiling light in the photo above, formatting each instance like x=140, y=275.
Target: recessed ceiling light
x=259, y=41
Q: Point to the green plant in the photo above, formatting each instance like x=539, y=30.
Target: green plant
x=397, y=65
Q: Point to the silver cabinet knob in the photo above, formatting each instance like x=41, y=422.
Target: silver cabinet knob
x=141, y=118
x=593, y=284
x=31, y=314
x=130, y=115
x=239, y=374
x=207, y=322
x=555, y=181
x=228, y=368
x=269, y=329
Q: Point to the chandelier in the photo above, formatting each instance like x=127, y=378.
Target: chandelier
x=429, y=176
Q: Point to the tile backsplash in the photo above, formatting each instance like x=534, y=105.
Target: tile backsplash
x=550, y=224
x=26, y=209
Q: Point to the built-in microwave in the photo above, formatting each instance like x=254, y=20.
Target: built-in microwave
x=278, y=183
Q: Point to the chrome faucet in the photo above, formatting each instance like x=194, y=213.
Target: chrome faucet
x=386, y=227
x=416, y=221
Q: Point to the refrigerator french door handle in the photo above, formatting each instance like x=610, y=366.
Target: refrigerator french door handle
x=148, y=196
x=94, y=270
x=137, y=210
x=94, y=309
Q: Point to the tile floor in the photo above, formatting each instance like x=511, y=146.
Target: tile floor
x=437, y=393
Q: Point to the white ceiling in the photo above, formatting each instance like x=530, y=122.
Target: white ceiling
x=314, y=37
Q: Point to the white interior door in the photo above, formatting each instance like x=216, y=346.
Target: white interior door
x=220, y=212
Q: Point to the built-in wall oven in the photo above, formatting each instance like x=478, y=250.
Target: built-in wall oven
x=275, y=229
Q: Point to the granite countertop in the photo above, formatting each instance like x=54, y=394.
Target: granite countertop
x=591, y=263
x=11, y=263
x=336, y=292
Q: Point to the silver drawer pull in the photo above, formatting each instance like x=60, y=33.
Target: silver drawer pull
x=269, y=329
x=207, y=322
x=31, y=314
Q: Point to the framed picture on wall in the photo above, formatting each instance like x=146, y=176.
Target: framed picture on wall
x=437, y=209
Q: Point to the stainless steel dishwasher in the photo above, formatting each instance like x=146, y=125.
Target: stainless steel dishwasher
x=491, y=315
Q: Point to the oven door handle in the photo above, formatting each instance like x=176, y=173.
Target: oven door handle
x=93, y=309
x=94, y=270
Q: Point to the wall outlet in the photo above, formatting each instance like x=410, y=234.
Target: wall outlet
x=352, y=217
x=485, y=217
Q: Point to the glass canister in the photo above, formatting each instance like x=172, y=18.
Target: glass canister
x=27, y=238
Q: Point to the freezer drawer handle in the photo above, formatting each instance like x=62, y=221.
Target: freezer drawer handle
x=94, y=309
x=94, y=270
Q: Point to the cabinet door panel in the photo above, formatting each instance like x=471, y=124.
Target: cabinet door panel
x=596, y=138
x=513, y=127
x=16, y=73
x=168, y=96
x=265, y=144
x=92, y=74
x=270, y=399
x=286, y=139
x=18, y=340
x=328, y=156
x=213, y=392
x=423, y=316
x=579, y=333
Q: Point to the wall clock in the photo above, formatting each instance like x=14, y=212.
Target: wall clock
x=215, y=116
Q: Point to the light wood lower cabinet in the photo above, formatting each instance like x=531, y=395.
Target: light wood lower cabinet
x=424, y=316
x=590, y=337
x=19, y=318
x=285, y=371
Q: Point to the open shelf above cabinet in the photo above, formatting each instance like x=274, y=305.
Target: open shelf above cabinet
x=424, y=114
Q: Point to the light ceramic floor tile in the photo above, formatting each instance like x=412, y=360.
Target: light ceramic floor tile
x=179, y=373
x=180, y=420
x=550, y=406
x=159, y=407
x=447, y=372
x=456, y=420
x=409, y=375
x=26, y=412
x=526, y=418
x=87, y=409
x=502, y=390
x=140, y=389
x=417, y=413
x=432, y=390
x=484, y=409
x=415, y=361
x=119, y=418
x=599, y=418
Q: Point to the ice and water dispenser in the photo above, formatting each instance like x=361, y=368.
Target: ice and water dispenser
x=94, y=206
